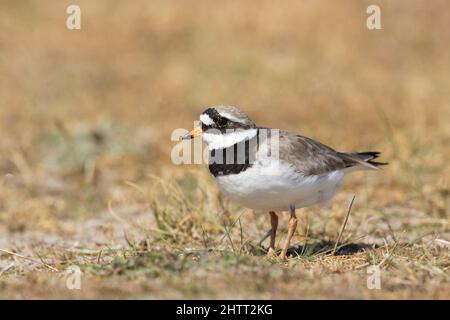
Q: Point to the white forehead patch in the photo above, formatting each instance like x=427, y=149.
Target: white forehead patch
x=205, y=119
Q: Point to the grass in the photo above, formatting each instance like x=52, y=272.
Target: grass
x=85, y=171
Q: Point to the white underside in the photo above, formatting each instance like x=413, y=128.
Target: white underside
x=277, y=186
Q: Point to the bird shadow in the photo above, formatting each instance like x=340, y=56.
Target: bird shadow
x=322, y=247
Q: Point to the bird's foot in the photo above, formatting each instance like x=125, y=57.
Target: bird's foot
x=282, y=255
x=271, y=252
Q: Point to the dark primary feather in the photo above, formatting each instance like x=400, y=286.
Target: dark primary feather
x=367, y=157
x=311, y=157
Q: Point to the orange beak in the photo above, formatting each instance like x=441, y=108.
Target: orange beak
x=197, y=132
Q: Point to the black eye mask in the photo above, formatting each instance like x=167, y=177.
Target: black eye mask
x=222, y=122
x=219, y=121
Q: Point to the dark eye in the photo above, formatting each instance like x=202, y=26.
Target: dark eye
x=222, y=122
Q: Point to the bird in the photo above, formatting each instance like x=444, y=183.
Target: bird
x=272, y=170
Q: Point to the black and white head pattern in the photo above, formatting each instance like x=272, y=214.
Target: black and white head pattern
x=224, y=126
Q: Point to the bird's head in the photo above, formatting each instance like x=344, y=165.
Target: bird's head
x=223, y=126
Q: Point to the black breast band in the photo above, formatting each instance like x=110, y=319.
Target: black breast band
x=234, y=159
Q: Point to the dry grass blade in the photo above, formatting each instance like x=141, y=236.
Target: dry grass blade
x=126, y=222
x=9, y=266
x=227, y=233
x=241, y=235
x=344, y=224
x=99, y=256
x=390, y=253
x=204, y=237
x=443, y=242
x=232, y=226
x=29, y=259
x=306, y=240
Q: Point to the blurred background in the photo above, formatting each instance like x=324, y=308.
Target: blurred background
x=84, y=111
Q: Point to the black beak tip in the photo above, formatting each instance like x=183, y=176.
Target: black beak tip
x=187, y=136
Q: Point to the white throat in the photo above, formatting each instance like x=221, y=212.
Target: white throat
x=220, y=141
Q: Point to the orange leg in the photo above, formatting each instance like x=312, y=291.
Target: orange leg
x=292, y=226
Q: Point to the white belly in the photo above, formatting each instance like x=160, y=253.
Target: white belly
x=277, y=186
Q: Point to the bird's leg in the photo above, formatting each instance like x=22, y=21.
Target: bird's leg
x=273, y=231
x=292, y=225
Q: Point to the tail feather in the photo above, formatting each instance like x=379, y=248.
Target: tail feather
x=364, y=159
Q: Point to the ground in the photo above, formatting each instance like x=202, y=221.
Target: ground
x=87, y=181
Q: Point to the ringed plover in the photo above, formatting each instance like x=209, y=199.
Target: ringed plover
x=273, y=170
